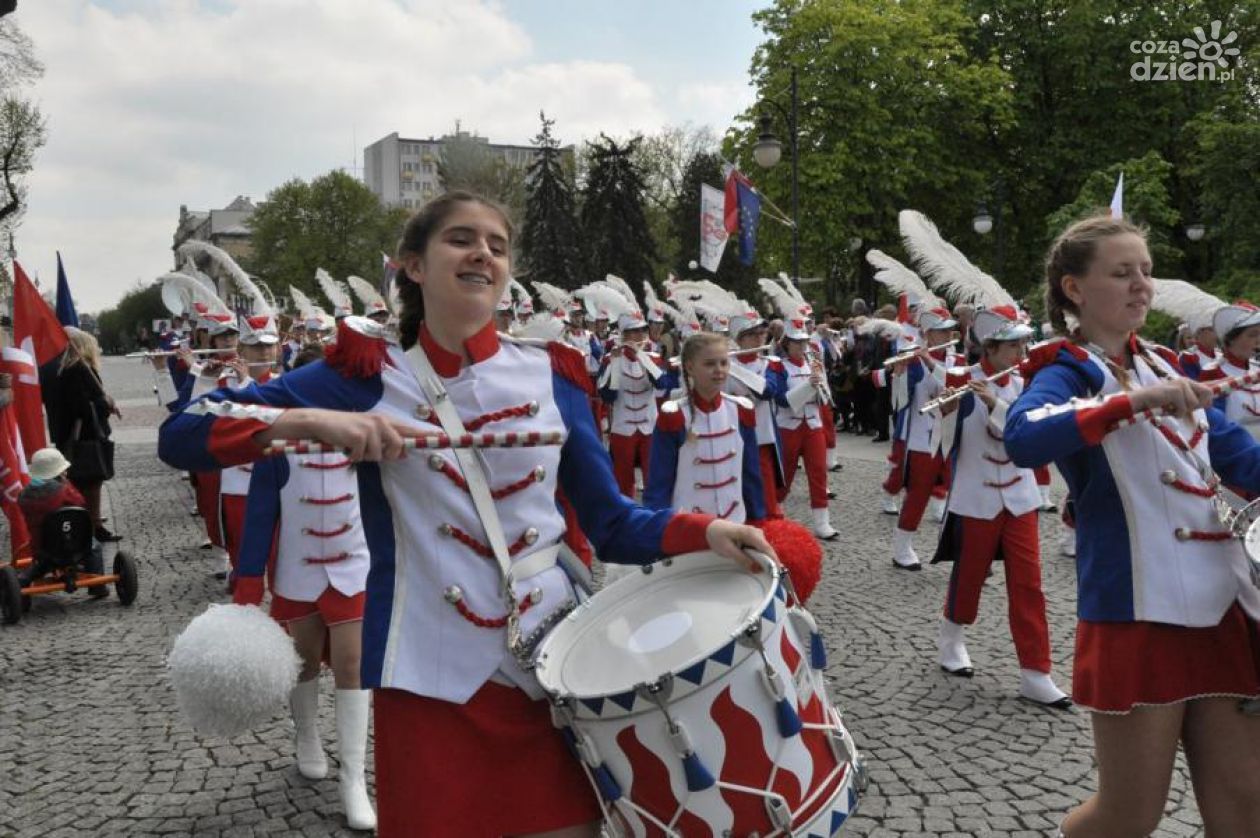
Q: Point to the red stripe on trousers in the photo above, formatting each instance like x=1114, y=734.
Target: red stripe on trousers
x=206, y=493
x=979, y=543
x=233, y=526
x=923, y=473
x=628, y=451
x=829, y=424
x=808, y=443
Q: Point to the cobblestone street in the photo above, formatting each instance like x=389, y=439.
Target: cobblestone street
x=91, y=742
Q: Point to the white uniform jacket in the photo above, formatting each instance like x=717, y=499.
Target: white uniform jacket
x=985, y=480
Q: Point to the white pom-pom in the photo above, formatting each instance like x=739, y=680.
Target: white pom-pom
x=232, y=669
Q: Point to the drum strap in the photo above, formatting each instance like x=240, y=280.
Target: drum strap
x=472, y=467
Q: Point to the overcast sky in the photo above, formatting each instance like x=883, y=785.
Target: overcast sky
x=156, y=103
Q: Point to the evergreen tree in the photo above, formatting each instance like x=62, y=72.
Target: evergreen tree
x=614, y=225
x=706, y=167
x=550, y=242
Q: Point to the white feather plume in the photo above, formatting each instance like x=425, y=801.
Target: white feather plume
x=784, y=302
x=1188, y=303
x=944, y=266
x=190, y=268
x=544, y=326
x=896, y=277
x=601, y=296
x=792, y=289
x=654, y=302
x=553, y=297
x=520, y=292
x=220, y=265
x=192, y=291
x=335, y=293
x=706, y=295
x=367, y=295
x=623, y=288
x=302, y=303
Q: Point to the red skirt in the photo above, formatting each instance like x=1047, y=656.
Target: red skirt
x=1120, y=666
x=332, y=605
x=492, y=767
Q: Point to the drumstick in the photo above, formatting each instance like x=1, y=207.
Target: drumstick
x=1219, y=388
x=530, y=439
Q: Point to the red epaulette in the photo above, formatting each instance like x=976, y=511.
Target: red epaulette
x=670, y=418
x=775, y=364
x=570, y=364
x=748, y=416
x=957, y=377
x=360, y=349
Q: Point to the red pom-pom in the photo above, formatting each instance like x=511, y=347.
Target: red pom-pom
x=798, y=551
x=360, y=350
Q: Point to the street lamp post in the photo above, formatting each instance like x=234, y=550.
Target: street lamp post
x=768, y=151
x=983, y=223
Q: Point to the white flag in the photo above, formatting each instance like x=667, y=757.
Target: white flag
x=1117, y=199
x=713, y=234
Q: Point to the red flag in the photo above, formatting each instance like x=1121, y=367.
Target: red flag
x=28, y=405
x=730, y=207
x=35, y=327
x=13, y=479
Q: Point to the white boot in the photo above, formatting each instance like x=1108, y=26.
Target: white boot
x=224, y=562
x=1047, y=502
x=953, y=650
x=937, y=509
x=904, y=556
x=833, y=459
x=822, y=524
x=1067, y=543
x=891, y=504
x=1040, y=687
x=352, y=725
x=304, y=702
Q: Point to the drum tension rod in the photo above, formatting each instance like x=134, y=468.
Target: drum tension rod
x=698, y=775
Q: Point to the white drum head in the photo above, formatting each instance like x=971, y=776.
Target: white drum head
x=648, y=625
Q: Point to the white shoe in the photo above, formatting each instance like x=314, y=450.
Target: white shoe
x=1040, y=687
x=352, y=725
x=904, y=556
x=833, y=459
x=891, y=504
x=822, y=524
x=953, y=650
x=1047, y=502
x=304, y=703
x=1067, y=543
x=937, y=509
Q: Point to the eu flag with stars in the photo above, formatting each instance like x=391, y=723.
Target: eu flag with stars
x=749, y=203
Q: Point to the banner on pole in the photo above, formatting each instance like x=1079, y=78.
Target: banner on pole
x=713, y=233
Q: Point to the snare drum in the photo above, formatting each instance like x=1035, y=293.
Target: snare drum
x=693, y=694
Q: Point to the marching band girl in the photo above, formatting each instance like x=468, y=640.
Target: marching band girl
x=1166, y=639
x=629, y=379
x=1204, y=353
x=1238, y=326
x=704, y=447
x=992, y=511
x=451, y=609
x=767, y=373
x=301, y=510
x=923, y=469
x=801, y=426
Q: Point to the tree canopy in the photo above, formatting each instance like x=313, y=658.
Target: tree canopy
x=550, y=243
x=614, y=225
x=334, y=222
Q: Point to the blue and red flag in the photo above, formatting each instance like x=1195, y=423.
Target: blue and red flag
x=66, y=315
x=741, y=213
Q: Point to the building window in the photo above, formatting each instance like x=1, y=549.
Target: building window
x=428, y=168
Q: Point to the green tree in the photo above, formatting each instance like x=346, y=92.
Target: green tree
x=550, y=242
x=23, y=128
x=893, y=112
x=140, y=306
x=663, y=158
x=614, y=225
x=334, y=222
x=1225, y=166
x=702, y=168
x=1147, y=201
